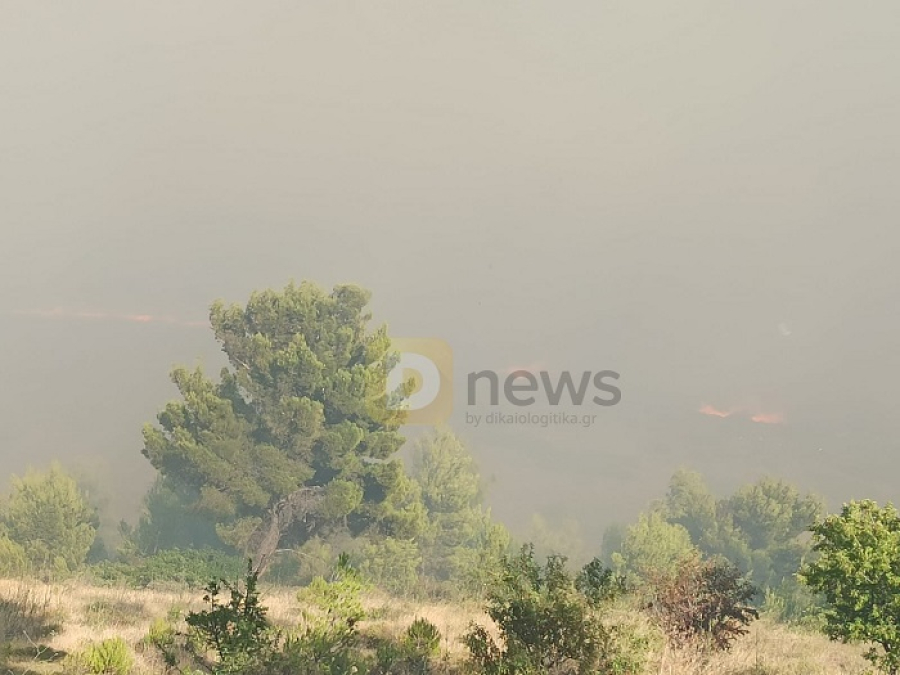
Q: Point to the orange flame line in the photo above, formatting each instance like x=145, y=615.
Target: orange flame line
x=60, y=313
x=714, y=412
x=768, y=418
x=760, y=417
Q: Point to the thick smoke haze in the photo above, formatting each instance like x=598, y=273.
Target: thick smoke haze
x=700, y=196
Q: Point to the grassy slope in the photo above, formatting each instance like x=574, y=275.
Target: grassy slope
x=64, y=617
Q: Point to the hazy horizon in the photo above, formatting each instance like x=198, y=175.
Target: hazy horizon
x=701, y=197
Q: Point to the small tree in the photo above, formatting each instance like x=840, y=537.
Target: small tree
x=49, y=517
x=237, y=629
x=858, y=572
x=689, y=503
x=652, y=546
x=771, y=512
x=13, y=559
x=461, y=546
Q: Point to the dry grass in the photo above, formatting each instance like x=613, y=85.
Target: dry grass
x=391, y=617
x=65, y=617
x=771, y=649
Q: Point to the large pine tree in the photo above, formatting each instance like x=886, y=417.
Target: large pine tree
x=297, y=431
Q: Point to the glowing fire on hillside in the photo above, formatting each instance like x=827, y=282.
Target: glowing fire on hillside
x=753, y=415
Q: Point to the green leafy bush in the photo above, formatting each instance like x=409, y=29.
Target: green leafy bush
x=233, y=635
x=629, y=648
x=858, y=573
x=336, y=601
x=163, y=636
x=546, y=625
x=332, y=612
x=599, y=584
x=236, y=628
x=314, y=651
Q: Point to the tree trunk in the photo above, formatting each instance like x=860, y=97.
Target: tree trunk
x=264, y=541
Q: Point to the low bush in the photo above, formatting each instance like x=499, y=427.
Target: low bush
x=234, y=635
x=109, y=657
x=547, y=625
x=793, y=604
x=630, y=646
x=599, y=584
x=103, y=612
x=191, y=568
x=703, y=604
x=237, y=628
x=412, y=654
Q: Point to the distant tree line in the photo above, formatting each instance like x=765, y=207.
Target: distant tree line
x=763, y=529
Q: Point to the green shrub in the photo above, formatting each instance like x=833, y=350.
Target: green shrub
x=315, y=650
x=422, y=638
x=234, y=636
x=546, y=625
x=629, y=648
x=599, y=584
x=333, y=611
x=412, y=654
x=336, y=601
x=163, y=637
x=191, y=568
x=328, y=641
x=392, y=564
x=236, y=629
x=109, y=657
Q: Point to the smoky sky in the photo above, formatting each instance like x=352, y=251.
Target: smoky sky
x=700, y=196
